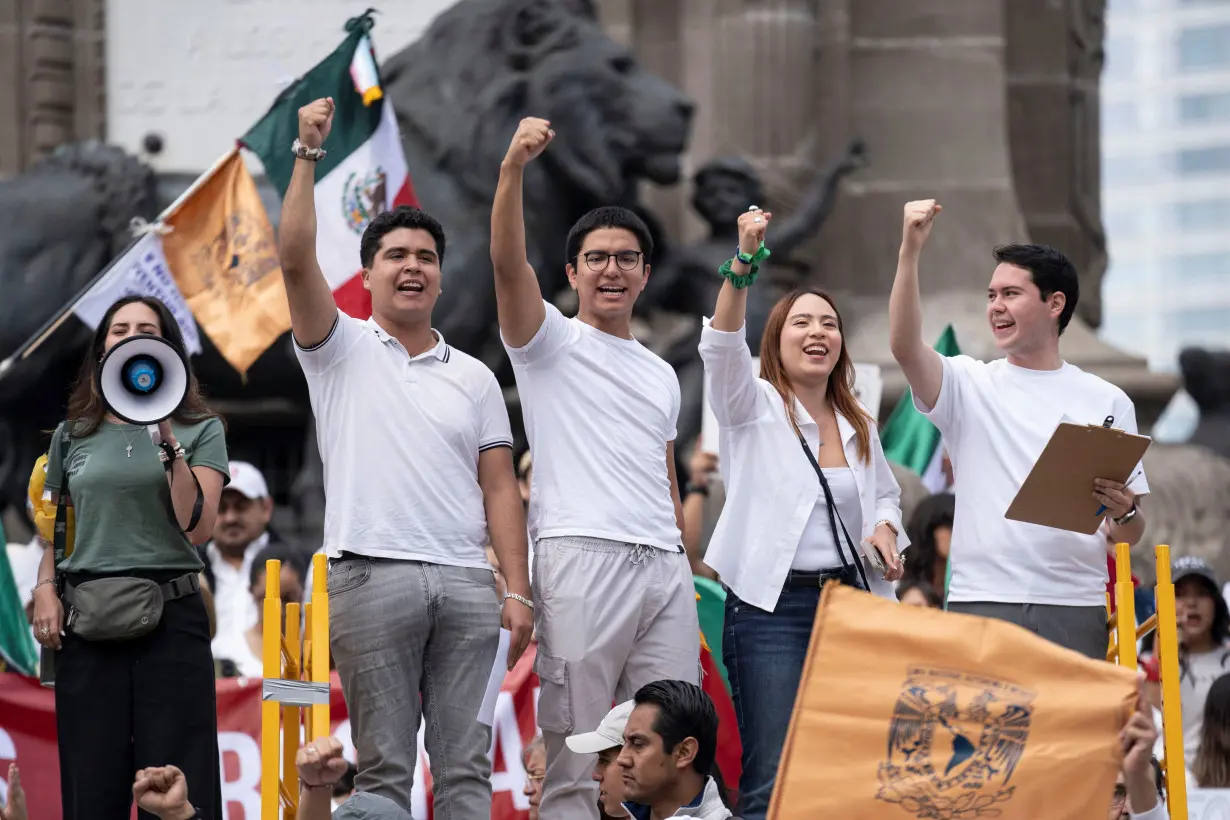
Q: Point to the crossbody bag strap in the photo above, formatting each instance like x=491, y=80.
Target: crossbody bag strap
x=835, y=517
x=59, y=537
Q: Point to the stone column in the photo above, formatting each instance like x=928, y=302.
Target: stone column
x=52, y=81
x=752, y=67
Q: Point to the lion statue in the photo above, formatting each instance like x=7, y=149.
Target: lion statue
x=459, y=93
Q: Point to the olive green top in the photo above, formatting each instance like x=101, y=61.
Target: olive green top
x=122, y=500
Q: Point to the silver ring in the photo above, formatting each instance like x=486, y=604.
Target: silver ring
x=757, y=219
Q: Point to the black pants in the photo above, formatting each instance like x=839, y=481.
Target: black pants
x=127, y=705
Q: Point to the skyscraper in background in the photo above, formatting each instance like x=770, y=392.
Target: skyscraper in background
x=1166, y=176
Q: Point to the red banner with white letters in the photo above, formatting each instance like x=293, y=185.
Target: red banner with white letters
x=28, y=736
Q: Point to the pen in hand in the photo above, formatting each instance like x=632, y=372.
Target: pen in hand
x=1102, y=508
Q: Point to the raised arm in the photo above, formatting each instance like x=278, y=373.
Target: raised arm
x=517, y=295
x=731, y=310
x=921, y=364
x=312, y=309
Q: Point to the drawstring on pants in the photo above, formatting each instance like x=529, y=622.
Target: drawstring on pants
x=642, y=553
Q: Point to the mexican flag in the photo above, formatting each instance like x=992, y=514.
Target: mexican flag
x=364, y=171
x=912, y=441
x=17, y=648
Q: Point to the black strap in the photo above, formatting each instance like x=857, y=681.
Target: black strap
x=835, y=518
x=59, y=539
x=197, y=506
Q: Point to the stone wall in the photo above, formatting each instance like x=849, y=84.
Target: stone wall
x=52, y=77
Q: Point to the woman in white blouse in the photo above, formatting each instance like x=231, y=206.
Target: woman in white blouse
x=809, y=495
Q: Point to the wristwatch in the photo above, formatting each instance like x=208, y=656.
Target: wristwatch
x=303, y=152
x=1127, y=516
x=692, y=488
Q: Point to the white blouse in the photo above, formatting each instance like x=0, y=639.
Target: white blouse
x=770, y=484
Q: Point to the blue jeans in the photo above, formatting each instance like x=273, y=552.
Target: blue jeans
x=764, y=654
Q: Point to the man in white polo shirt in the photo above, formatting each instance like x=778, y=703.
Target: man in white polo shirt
x=417, y=456
x=616, y=601
x=996, y=418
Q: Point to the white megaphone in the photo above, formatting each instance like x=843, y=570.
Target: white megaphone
x=143, y=379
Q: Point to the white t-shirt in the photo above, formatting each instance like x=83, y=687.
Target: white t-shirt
x=599, y=412
x=1196, y=675
x=996, y=419
x=234, y=647
x=817, y=550
x=400, y=439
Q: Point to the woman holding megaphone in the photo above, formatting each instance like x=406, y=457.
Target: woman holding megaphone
x=141, y=461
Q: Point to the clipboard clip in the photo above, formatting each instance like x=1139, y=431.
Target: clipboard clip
x=1108, y=421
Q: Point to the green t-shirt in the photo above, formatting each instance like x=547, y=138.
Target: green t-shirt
x=122, y=502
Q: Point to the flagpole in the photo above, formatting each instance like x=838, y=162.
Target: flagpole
x=53, y=324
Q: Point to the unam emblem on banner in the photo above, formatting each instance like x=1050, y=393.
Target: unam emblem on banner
x=363, y=197
x=955, y=740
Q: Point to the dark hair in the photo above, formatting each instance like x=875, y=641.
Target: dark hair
x=403, y=216
x=1052, y=272
x=345, y=783
x=684, y=710
x=1211, y=768
x=288, y=555
x=610, y=216
x=840, y=389
x=928, y=591
x=86, y=407
x=932, y=512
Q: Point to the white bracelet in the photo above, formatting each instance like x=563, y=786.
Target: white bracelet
x=519, y=599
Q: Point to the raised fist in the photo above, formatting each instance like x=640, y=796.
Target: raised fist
x=315, y=120
x=532, y=138
x=919, y=216
x=320, y=763
x=162, y=791
x=752, y=225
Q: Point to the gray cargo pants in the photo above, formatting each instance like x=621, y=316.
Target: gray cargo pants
x=610, y=617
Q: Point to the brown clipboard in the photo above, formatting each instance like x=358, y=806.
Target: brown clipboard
x=1059, y=489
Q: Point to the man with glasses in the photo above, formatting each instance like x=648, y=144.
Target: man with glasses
x=615, y=603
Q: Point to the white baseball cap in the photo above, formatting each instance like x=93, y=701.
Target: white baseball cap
x=247, y=481
x=608, y=735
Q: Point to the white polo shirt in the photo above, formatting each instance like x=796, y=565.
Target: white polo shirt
x=599, y=412
x=400, y=438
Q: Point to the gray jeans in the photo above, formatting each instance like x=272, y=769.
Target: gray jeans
x=1080, y=628
x=410, y=640
x=610, y=617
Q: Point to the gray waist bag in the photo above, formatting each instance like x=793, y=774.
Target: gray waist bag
x=121, y=609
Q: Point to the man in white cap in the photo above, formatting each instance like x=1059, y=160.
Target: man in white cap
x=606, y=741
x=241, y=531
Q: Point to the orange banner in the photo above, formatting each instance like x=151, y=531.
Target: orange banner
x=906, y=712
x=224, y=257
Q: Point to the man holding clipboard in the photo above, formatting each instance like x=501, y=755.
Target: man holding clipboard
x=996, y=419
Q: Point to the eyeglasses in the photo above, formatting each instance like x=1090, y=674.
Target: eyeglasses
x=1119, y=797
x=533, y=776
x=626, y=260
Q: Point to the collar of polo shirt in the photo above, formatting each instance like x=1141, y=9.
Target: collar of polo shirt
x=440, y=351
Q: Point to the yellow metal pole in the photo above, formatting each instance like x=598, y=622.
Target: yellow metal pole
x=292, y=717
x=271, y=657
x=1125, y=606
x=319, y=630
x=1172, y=715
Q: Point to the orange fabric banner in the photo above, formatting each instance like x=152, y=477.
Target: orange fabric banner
x=224, y=257
x=906, y=712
